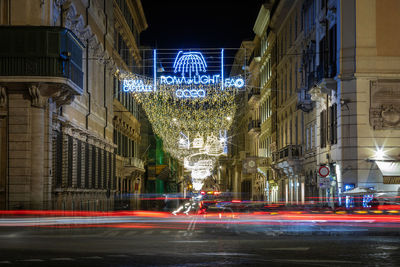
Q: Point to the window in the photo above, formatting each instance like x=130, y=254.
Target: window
x=296, y=130
x=332, y=52
x=109, y=171
x=322, y=53
x=302, y=127
x=134, y=149
x=86, y=165
x=311, y=136
x=99, y=167
x=290, y=33
x=295, y=76
x=286, y=133
x=315, y=134
x=58, y=158
x=70, y=160
x=313, y=13
x=115, y=90
x=333, y=124
x=125, y=146
x=79, y=164
x=284, y=42
x=290, y=82
x=302, y=19
x=286, y=86
x=114, y=177
x=94, y=173
x=322, y=129
x=119, y=142
x=105, y=171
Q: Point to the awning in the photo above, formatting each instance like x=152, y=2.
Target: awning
x=389, y=168
x=358, y=191
x=390, y=171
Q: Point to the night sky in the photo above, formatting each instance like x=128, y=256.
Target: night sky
x=199, y=24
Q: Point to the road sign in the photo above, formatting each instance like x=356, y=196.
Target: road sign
x=324, y=182
x=323, y=171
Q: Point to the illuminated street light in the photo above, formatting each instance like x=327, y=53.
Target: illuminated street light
x=380, y=154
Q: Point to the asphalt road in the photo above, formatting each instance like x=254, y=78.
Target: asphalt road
x=190, y=244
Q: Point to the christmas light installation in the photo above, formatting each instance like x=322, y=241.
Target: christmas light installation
x=190, y=65
x=189, y=109
x=189, y=62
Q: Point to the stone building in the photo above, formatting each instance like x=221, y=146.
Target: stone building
x=356, y=94
x=57, y=74
x=336, y=74
x=129, y=22
x=241, y=171
x=267, y=103
x=283, y=38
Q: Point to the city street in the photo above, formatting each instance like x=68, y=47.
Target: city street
x=125, y=247
x=195, y=241
x=199, y=133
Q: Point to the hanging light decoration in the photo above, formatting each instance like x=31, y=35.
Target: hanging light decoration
x=175, y=119
x=191, y=126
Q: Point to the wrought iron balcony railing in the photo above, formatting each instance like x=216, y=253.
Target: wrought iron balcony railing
x=290, y=152
x=304, y=101
x=41, y=51
x=134, y=162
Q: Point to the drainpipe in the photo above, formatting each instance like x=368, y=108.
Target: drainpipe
x=87, y=70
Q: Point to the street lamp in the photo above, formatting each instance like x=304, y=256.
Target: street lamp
x=380, y=154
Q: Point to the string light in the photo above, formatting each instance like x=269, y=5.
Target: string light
x=191, y=122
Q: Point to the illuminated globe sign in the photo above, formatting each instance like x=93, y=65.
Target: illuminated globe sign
x=189, y=78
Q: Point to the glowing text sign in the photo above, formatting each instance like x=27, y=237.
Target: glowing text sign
x=136, y=86
x=191, y=71
x=192, y=68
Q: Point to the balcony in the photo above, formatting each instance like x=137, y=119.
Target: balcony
x=253, y=96
x=264, y=162
x=325, y=78
x=288, y=153
x=304, y=101
x=51, y=55
x=254, y=126
x=134, y=162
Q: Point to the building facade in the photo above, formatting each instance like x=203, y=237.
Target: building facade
x=129, y=22
x=333, y=70
x=241, y=168
x=57, y=76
